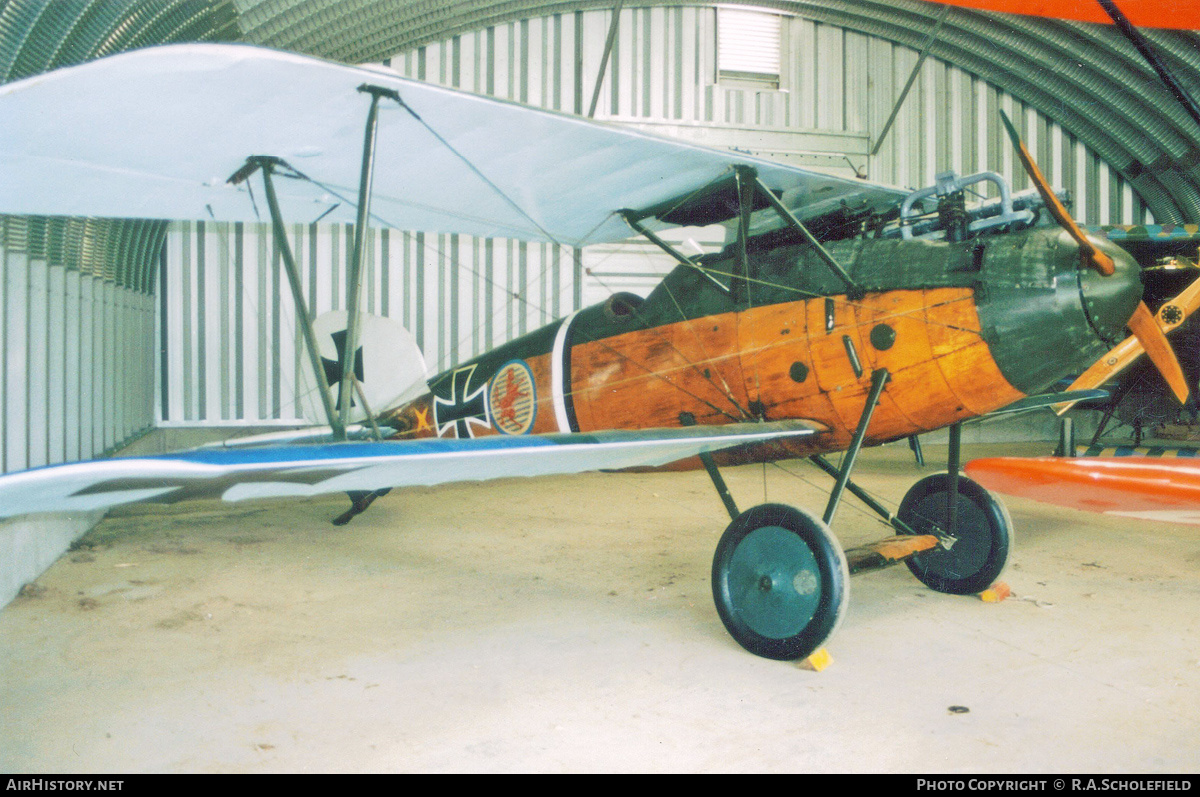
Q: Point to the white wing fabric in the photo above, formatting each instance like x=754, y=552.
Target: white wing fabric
x=155, y=133
x=307, y=470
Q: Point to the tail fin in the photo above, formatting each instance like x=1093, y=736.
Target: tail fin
x=389, y=365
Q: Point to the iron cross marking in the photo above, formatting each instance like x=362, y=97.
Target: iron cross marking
x=461, y=409
x=333, y=368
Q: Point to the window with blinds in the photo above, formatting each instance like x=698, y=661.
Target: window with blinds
x=748, y=45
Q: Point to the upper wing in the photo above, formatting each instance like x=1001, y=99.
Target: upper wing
x=280, y=471
x=1165, y=234
x=155, y=133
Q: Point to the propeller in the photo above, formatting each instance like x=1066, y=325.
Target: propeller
x=1087, y=250
x=1173, y=313
x=1158, y=349
x=1148, y=336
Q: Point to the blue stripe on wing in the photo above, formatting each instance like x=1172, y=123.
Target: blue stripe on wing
x=273, y=471
x=254, y=455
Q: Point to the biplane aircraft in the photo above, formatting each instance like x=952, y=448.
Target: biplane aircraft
x=839, y=314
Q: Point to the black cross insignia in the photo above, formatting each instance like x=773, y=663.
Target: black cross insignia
x=461, y=409
x=333, y=368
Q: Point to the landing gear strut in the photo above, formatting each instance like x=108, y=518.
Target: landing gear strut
x=780, y=578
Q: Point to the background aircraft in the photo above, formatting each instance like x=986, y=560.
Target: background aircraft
x=840, y=314
x=1146, y=488
x=1130, y=485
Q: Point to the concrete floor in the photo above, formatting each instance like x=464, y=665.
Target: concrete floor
x=566, y=624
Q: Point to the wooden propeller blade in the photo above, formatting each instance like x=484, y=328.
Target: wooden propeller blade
x=1114, y=362
x=1146, y=330
x=1095, y=258
x=1169, y=316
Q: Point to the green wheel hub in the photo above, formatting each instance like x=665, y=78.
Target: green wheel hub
x=774, y=582
x=779, y=581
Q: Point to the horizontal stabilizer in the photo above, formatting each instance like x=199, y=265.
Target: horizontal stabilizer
x=235, y=474
x=388, y=365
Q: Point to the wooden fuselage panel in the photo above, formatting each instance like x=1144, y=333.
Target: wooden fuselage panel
x=809, y=359
x=794, y=360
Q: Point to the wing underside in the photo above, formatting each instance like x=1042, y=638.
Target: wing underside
x=235, y=474
x=156, y=133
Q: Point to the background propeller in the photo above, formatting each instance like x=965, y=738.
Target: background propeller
x=1148, y=335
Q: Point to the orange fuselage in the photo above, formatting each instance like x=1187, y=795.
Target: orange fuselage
x=962, y=331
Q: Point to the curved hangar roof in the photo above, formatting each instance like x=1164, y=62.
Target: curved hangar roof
x=37, y=36
x=1086, y=77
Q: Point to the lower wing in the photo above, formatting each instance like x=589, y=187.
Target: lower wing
x=274, y=471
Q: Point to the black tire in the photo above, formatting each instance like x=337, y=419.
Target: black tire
x=780, y=581
x=983, y=528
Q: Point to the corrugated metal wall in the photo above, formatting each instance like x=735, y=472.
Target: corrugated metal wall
x=229, y=340
x=77, y=368
x=77, y=314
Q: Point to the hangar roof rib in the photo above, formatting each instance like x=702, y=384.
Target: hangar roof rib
x=1066, y=70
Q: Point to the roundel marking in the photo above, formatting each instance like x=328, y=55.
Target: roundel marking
x=512, y=398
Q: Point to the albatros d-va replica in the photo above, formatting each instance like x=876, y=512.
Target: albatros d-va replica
x=839, y=314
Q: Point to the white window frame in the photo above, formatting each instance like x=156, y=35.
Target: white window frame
x=749, y=48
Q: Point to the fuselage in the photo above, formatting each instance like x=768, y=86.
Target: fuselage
x=963, y=329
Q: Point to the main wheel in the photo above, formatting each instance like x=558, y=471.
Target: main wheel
x=780, y=581
x=982, y=539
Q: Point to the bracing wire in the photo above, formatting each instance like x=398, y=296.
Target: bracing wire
x=520, y=294
x=724, y=388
